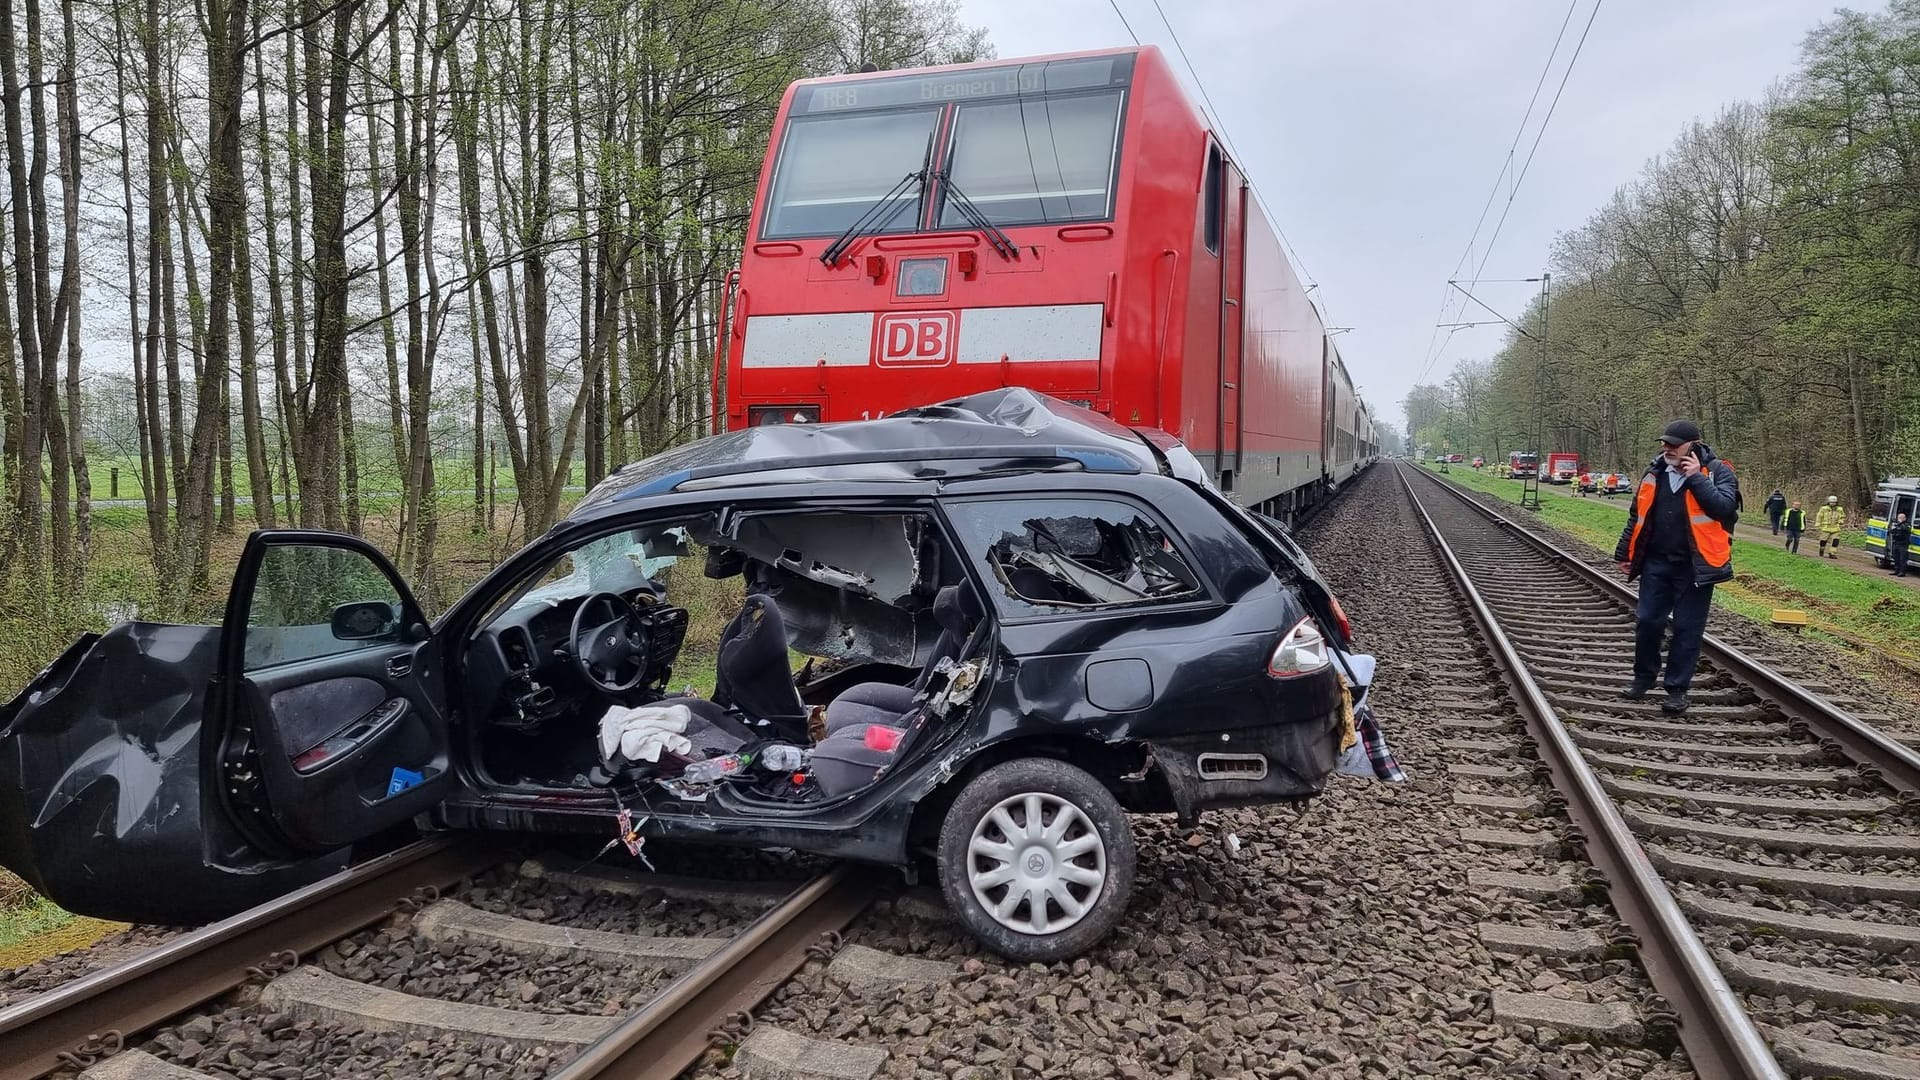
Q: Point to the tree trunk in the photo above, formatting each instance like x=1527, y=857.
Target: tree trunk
x=26, y=539
x=69, y=109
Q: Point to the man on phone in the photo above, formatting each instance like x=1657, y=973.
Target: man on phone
x=1679, y=543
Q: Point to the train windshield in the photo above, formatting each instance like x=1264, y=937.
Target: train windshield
x=1036, y=161
x=834, y=168
x=1027, y=144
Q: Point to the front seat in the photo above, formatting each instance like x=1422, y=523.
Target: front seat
x=956, y=611
x=752, y=675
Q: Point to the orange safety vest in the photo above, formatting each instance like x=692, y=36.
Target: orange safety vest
x=1712, y=541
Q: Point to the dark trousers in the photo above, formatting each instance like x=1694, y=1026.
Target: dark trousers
x=1775, y=516
x=1899, y=557
x=1667, y=588
x=1793, y=541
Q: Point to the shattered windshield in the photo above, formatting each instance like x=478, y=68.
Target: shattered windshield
x=1073, y=553
x=618, y=563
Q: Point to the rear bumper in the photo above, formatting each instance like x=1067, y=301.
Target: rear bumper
x=1285, y=761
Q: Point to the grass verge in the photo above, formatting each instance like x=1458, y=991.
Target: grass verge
x=1846, y=605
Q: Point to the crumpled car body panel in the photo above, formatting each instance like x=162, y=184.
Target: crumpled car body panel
x=103, y=807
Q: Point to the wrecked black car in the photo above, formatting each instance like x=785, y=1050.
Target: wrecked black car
x=1035, y=620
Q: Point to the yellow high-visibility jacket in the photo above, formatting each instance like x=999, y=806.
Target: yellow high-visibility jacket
x=1830, y=518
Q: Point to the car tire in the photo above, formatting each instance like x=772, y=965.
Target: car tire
x=987, y=855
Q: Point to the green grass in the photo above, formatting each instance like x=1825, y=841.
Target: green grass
x=1842, y=602
x=36, y=915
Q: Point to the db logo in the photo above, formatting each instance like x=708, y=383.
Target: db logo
x=921, y=338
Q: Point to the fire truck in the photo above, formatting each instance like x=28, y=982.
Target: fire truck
x=1562, y=468
x=1522, y=463
x=1066, y=223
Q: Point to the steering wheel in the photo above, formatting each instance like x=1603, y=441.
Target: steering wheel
x=602, y=650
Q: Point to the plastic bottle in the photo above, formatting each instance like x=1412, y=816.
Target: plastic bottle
x=712, y=769
x=783, y=758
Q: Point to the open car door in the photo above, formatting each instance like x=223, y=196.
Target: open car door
x=178, y=774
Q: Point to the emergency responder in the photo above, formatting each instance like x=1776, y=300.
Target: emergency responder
x=1580, y=484
x=1899, y=538
x=1776, y=508
x=1795, y=523
x=1679, y=542
x=1829, y=520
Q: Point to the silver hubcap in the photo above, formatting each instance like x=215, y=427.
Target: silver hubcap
x=1036, y=863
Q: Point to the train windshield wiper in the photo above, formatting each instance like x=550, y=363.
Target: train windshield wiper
x=882, y=212
x=1000, y=241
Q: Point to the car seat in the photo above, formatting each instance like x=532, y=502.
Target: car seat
x=850, y=758
x=752, y=675
x=956, y=610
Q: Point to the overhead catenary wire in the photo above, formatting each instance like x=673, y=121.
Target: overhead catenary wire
x=1213, y=116
x=1123, y=20
x=1437, y=345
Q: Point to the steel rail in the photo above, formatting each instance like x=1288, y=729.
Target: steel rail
x=1720, y=1038
x=1892, y=762
x=180, y=974
x=667, y=1036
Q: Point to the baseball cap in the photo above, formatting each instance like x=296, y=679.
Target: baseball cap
x=1680, y=431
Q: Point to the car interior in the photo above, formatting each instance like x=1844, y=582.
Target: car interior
x=845, y=635
x=840, y=664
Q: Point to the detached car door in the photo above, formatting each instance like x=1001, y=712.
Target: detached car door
x=177, y=774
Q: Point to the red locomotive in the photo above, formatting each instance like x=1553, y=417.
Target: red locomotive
x=1066, y=223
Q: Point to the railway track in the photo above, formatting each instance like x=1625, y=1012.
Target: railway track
x=286, y=971
x=1764, y=848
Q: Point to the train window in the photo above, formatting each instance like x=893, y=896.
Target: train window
x=1038, y=160
x=1215, y=207
x=833, y=169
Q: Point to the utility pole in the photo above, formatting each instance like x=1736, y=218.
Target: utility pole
x=1530, y=486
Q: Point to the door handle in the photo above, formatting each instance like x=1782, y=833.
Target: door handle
x=399, y=666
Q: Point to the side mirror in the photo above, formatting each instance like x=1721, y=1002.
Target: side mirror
x=365, y=620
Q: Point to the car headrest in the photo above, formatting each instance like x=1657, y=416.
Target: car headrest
x=956, y=609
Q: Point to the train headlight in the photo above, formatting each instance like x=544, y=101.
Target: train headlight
x=921, y=277
x=766, y=415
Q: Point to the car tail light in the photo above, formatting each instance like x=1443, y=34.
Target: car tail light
x=1340, y=617
x=1302, y=652
x=763, y=415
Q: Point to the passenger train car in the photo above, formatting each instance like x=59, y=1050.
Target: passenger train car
x=1066, y=223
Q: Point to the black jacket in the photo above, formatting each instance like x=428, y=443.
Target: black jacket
x=1776, y=503
x=1899, y=536
x=1795, y=521
x=1717, y=491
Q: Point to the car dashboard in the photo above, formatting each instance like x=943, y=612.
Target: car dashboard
x=520, y=671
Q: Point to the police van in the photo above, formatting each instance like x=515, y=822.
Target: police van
x=1895, y=496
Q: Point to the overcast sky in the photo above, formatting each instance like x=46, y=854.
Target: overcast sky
x=1375, y=128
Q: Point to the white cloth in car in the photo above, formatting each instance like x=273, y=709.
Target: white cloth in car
x=641, y=734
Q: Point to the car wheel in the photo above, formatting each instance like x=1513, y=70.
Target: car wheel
x=1037, y=859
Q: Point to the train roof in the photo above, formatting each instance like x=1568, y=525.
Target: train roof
x=982, y=65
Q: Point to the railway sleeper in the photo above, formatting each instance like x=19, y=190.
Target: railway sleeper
x=1858, y=932
x=1764, y=752
x=1838, y=779
x=1817, y=1057
x=1755, y=804
x=1798, y=840
x=1762, y=729
x=1811, y=984
x=1851, y=888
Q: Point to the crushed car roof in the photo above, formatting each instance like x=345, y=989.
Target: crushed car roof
x=1005, y=430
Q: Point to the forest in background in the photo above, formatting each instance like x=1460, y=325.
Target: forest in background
x=415, y=269
x=1761, y=277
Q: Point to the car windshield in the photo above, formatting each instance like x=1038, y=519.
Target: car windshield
x=620, y=562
